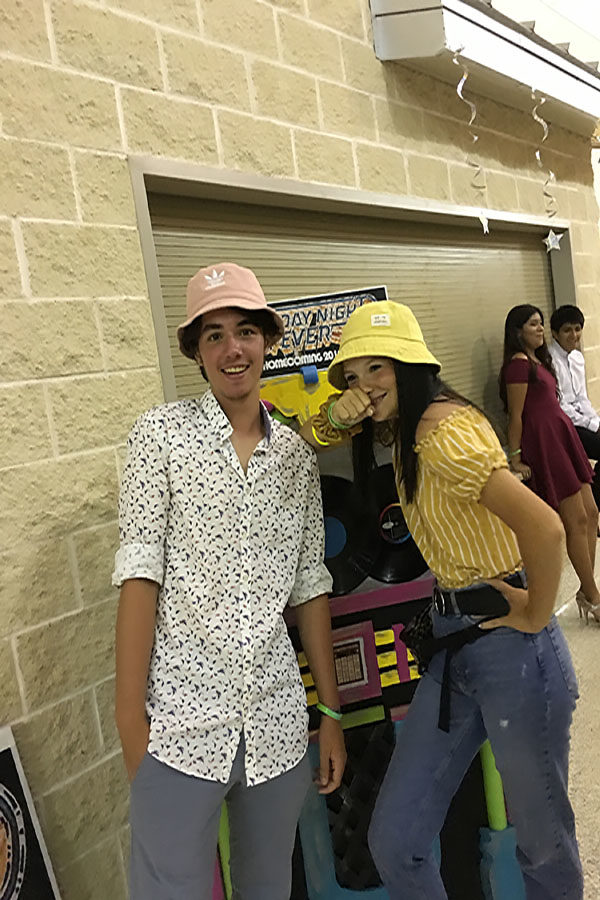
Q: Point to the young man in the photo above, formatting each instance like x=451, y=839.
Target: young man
x=566, y=324
x=221, y=527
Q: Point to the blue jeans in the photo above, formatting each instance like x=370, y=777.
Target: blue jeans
x=518, y=690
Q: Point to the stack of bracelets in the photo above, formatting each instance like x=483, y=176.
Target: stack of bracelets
x=326, y=430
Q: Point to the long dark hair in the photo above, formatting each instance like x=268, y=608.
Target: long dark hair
x=417, y=385
x=513, y=343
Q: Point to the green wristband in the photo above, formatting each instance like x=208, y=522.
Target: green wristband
x=329, y=712
x=514, y=453
x=332, y=421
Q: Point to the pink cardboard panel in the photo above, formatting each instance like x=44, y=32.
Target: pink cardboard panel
x=397, y=713
x=387, y=596
x=359, y=634
x=419, y=589
x=218, y=892
x=401, y=654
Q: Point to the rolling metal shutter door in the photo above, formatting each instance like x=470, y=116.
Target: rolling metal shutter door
x=459, y=283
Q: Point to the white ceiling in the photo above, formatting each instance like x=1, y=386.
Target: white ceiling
x=573, y=22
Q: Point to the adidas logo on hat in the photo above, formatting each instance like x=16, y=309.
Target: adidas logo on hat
x=215, y=279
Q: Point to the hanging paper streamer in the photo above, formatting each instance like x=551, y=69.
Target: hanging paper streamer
x=549, y=198
x=478, y=182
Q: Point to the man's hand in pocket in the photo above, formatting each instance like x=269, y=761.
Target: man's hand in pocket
x=134, y=741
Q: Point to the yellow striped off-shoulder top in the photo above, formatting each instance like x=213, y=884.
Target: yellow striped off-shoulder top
x=461, y=540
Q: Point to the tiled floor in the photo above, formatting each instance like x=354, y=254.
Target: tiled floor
x=585, y=754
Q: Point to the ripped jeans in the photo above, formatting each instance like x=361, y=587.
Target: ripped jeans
x=518, y=690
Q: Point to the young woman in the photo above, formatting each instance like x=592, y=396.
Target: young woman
x=544, y=446
x=476, y=525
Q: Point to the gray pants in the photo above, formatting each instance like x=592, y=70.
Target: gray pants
x=175, y=825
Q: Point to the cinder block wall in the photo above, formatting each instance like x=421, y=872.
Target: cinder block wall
x=289, y=88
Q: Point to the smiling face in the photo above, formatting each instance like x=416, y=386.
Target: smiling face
x=532, y=333
x=232, y=350
x=568, y=336
x=375, y=375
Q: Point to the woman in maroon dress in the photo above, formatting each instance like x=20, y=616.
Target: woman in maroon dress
x=544, y=447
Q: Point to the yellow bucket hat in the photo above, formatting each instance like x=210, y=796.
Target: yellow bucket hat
x=382, y=328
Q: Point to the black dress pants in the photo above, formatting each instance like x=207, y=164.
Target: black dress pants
x=591, y=445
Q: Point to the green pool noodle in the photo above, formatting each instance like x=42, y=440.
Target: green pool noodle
x=494, y=793
x=224, y=851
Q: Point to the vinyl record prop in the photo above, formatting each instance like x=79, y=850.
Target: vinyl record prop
x=351, y=538
x=398, y=558
x=372, y=541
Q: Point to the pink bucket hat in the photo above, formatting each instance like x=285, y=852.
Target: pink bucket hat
x=220, y=286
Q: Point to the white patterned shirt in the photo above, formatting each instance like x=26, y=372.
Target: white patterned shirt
x=573, y=398
x=229, y=550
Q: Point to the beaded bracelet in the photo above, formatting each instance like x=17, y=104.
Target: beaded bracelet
x=332, y=421
x=329, y=712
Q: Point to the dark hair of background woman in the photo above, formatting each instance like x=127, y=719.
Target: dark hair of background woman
x=513, y=343
x=417, y=386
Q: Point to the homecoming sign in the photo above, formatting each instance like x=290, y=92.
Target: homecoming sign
x=312, y=328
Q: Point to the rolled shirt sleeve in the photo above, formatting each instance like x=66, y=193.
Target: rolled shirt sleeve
x=312, y=575
x=143, y=503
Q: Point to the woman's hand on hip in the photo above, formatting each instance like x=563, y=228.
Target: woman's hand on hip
x=519, y=616
x=352, y=407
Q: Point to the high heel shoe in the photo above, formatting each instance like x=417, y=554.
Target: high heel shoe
x=585, y=608
x=595, y=611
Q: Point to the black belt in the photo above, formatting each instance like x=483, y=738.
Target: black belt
x=485, y=601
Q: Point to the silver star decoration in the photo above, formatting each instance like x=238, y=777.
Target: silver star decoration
x=552, y=241
x=484, y=221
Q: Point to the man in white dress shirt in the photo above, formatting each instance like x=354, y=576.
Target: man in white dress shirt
x=221, y=527
x=566, y=324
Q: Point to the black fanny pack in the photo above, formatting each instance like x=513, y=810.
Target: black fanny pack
x=417, y=635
